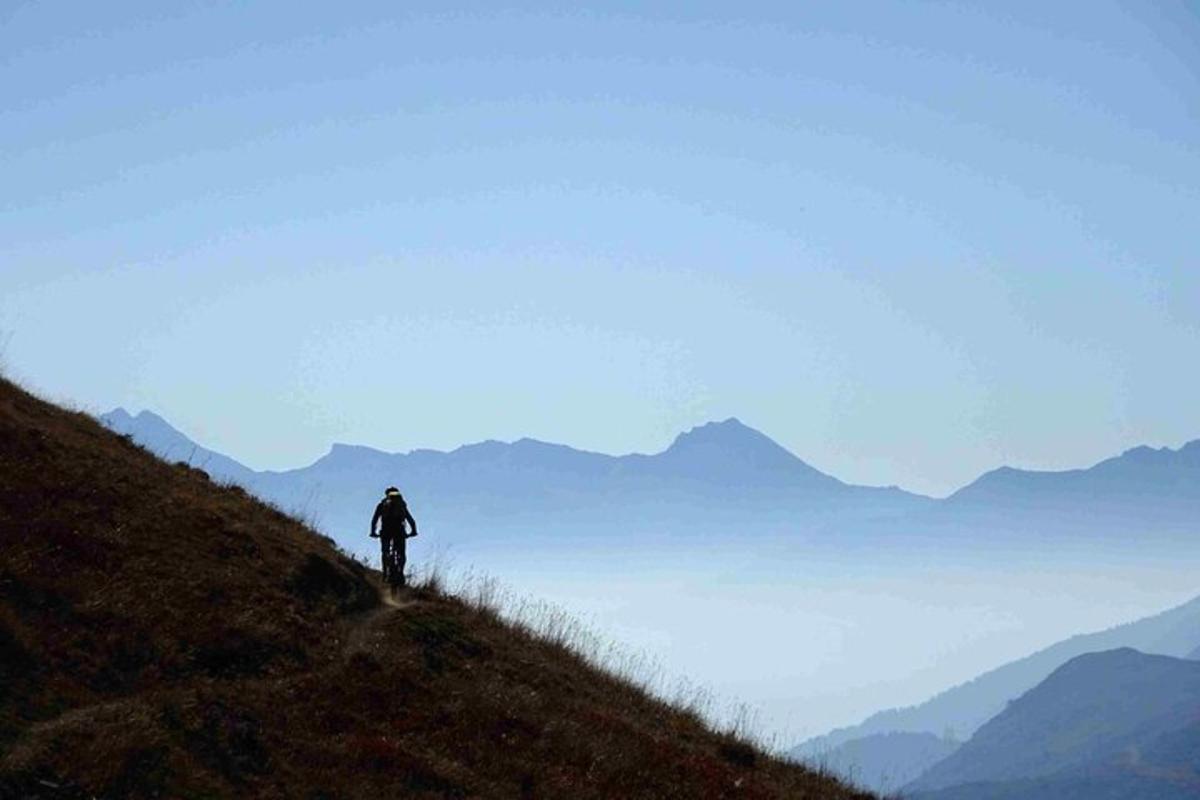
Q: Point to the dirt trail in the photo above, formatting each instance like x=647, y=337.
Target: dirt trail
x=366, y=634
x=389, y=601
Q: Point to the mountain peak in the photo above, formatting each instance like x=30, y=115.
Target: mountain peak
x=118, y=414
x=145, y=421
x=343, y=455
x=343, y=448
x=120, y=420
x=727, y=432
x=730, y=448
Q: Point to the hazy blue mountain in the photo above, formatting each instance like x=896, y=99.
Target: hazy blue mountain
x=1145, y=500
x=964, y=708
x=722, y=479
x=1194, y=655
x=1120, y=714
x=883, y=762
x=719, y=479
x=1143, y=492
x=730, y=455
x=1142, y=472
x=156, y=434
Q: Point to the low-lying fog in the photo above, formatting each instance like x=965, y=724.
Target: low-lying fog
x=811, y=641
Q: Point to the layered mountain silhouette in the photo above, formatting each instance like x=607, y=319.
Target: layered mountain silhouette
x=164, y=635
x=722, y=479
x=155, y=434
x=964, y=709
x=1119, y=724
x=1142, y=492
x=1142, y=473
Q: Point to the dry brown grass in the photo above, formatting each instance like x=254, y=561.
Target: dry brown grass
x=162, y=636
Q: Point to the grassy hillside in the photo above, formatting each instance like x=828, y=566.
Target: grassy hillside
x=163, y=636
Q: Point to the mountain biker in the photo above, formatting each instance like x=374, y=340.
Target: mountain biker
x=393, y=513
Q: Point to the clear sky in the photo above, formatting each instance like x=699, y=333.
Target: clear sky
x=909, y=241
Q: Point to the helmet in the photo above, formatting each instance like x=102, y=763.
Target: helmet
x=392, y=490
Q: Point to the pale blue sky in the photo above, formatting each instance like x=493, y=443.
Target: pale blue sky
x=909, y=241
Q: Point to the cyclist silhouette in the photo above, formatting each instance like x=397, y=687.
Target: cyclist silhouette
x=391, y=516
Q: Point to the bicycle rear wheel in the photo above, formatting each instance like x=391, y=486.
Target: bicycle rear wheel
x=394, y=573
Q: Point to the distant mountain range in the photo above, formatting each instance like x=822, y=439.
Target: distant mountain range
x=722, y=480
x=1113, y=724
x=719, y=479
x=1161, y=474
x=1143, y=491
x=957, y=713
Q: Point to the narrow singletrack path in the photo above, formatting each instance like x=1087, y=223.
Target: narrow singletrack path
x=366, y=634
x=389, y=600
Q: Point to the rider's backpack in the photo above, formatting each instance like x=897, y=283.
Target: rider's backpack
x=395, y=512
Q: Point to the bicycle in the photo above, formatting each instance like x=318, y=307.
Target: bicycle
x=393, y=565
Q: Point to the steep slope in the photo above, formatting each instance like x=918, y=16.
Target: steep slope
x=163, y=636
x=964, y=708
x=1119, y=713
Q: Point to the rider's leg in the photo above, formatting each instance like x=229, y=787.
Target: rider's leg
x=401, y=558
x=385, y=546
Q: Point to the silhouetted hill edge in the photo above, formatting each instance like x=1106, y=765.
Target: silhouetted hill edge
x=162, y=635
x=964, y=708
x=1100, y=713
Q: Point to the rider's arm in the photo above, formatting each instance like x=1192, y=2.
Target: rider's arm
x=412, y=523
x=375, y=519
